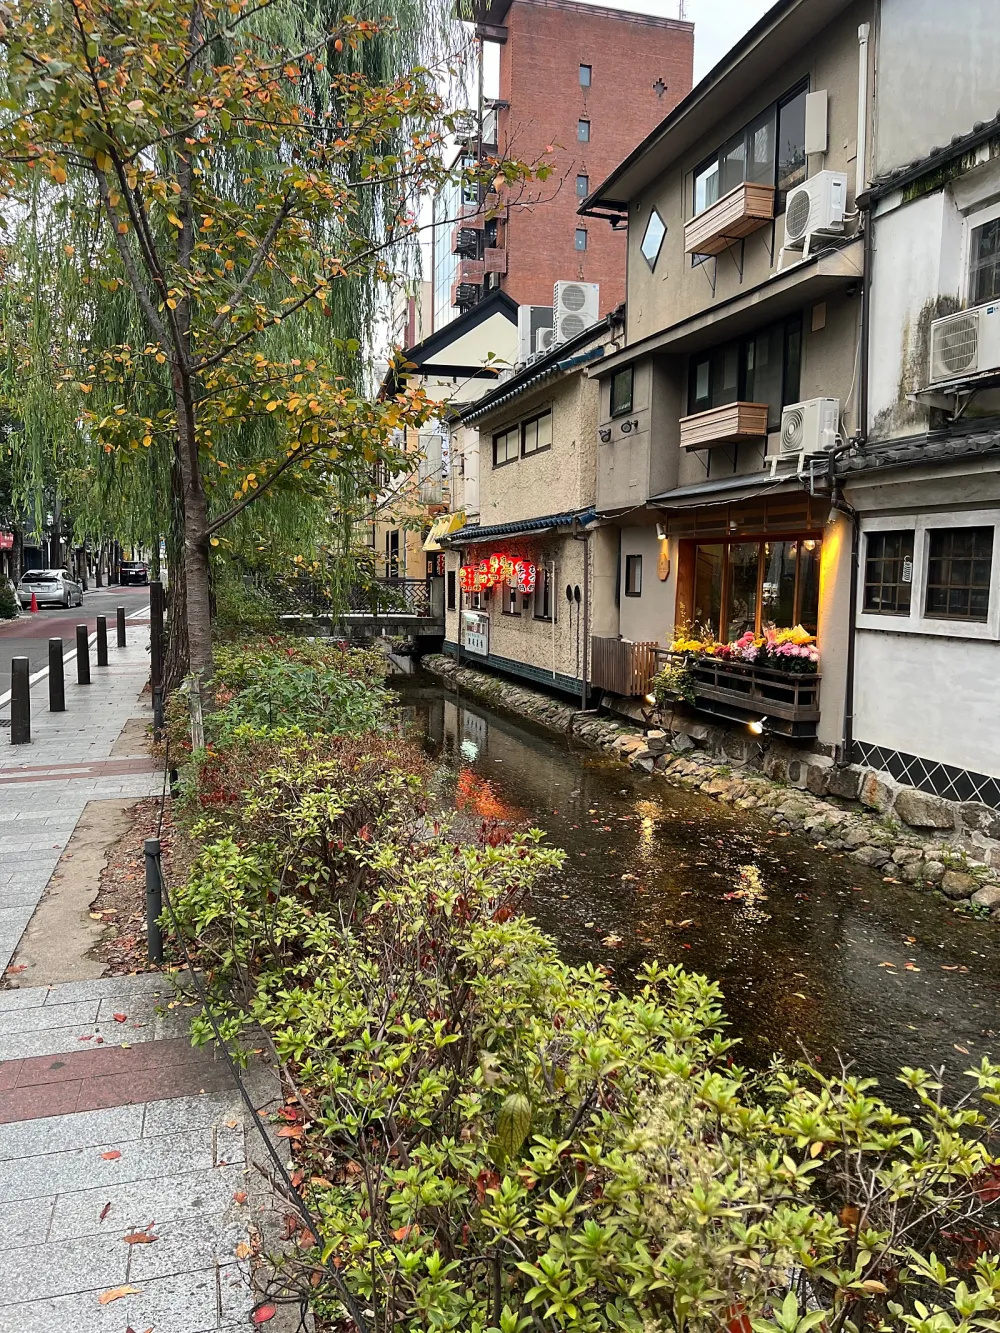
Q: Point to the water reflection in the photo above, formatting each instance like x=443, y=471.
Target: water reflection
x=811, y=949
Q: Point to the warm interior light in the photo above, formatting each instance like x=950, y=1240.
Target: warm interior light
x=810, y=545
x=757, y=727
x=651, y=698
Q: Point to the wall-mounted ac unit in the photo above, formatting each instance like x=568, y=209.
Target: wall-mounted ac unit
x=576, y=305
x=810, y=427
x=816, y=207
x=544, y=339
x=531, y=320
x=966, y=343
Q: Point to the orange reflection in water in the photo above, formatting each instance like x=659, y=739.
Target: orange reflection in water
x=475, y=796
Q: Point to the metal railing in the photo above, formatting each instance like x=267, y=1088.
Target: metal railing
x=391, y=596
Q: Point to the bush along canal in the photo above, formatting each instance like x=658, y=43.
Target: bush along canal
x=814, y=950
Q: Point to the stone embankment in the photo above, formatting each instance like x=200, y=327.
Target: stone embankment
x=949, y=847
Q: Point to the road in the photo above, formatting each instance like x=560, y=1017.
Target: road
x=29, y=635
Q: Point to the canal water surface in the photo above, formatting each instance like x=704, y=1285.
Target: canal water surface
x=812, y=950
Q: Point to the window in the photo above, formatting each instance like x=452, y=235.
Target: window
x=621, y=392
x=543, y=593
x=536, y=434
x=770, y=150
x=763, y=367
x=583, y=131
x=633, y=576
x=984, y=263
x=888, y=573
x=580, y=240
x=652, y=238
x=959, y=561
x=505, y=447
x=451, y=589
x=747, y=585
x=582, y=186
x=585, y=73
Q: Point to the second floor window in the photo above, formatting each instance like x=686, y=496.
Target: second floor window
x=536, y=434
x=633, y=576
x=582, y=186
x=505, y=446
x=621, y=392
x=761, y=368
x=583, y=131
x=585, y=73
x=770, y=150
x=984, y=263
x=580, y=240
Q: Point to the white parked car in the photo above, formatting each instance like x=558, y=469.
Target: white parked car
x=50, y=585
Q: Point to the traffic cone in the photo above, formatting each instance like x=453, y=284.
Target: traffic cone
x=34, y=602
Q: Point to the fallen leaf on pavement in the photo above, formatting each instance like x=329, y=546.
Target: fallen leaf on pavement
x=242, y=1250
x=116, y=1293
x=105, y=1210
x=111, y=1156
x=963, y=1049
x=290, y=1132
x=120, y=1018
x=911, y=967
x=240, y=1196
x=140, y=1238
x=263, y=1313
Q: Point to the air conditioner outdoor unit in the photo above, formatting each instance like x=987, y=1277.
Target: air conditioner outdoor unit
x=531, y=320
x=966, y=343
x=817, y=206
x=544, y=339
x=810, y=427
x=576, y=305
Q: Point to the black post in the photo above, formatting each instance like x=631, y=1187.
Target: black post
x=121, y=627
x=154, y=901
x=102, y=641
x=82, y=655
x=57, y=679
x=156, y=607
x=20, y=702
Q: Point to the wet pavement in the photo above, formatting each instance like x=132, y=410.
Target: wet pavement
x=813, y=951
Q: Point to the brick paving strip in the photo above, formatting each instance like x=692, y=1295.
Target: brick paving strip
x=111, y=1124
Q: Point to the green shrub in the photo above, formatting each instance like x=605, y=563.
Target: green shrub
x=9, y=606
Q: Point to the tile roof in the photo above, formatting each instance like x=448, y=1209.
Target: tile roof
x=939, y=447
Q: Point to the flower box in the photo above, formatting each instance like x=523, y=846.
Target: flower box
x=737, y=214
x=745, y=692
x=724, y=425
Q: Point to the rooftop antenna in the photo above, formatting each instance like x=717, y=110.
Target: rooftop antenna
x=682, y=9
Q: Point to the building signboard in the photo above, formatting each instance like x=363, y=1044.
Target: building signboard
x=476, y=632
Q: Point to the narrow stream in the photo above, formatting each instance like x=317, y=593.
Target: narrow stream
x=815, y=952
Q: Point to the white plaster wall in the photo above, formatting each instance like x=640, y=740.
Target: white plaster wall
x=649, y=618
x=937, y=75
x=930, y=696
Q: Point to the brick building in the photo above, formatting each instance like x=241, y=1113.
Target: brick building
x=580, y=85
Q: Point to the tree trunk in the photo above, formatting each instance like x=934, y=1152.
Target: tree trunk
x=196, y=545
x=176, y=662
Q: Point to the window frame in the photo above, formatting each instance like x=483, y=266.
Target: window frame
x=544, y=582
x=589, y=81
x=973, y=221
x=532, y=421
x=633, y=561
x=760, y=541
x=580, y=231
x=499, y=435
x=790, y=325
x=451, y=590
x=621, y=411
x=951, y=531
x=508, y=603
x=774, y=107
x=917, y=622
x=582, y=176
x=653, y=212
x=882, y=584
x=581, y=135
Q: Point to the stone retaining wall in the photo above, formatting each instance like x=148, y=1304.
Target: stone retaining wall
x=945, y=846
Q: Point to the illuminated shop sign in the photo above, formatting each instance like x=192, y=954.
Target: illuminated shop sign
x=499, y=570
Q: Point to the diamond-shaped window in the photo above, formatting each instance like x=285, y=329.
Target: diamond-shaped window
x=652, y=238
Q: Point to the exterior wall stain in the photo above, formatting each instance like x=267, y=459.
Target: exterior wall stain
x=938, y=179
x=916, y=341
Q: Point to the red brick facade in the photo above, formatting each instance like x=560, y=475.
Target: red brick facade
x=631, y=58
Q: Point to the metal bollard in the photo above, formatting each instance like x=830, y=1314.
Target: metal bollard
x=82, y=655
x=57, y=678
x=20, y=702
x=102, y=641
x=121, y=627
x=156, y=609
x=154, y=901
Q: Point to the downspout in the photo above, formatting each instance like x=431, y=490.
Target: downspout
x=845, y=749
x=585, y=611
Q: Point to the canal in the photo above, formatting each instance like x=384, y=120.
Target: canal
x=813, y=951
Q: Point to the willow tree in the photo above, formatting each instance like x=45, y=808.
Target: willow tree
x=230, y=173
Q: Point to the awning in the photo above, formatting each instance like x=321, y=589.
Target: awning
x=727, y=489
x=441, y=527
x=525, y=527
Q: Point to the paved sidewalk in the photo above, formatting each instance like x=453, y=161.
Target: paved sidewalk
x=127, y=1198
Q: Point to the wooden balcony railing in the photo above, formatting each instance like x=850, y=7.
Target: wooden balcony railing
x=622, y=667
x=737, y=214
x=724, y=425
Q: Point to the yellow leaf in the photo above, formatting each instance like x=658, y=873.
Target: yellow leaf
x=272, y=405
x=136, y=104
x=171, y=303
x=172, y=217
x=116, y=1293
x=122, y=228
x=242, y=1250
x=206, y=223
x=214, y=541
x=816, y=1149
x=58, y=174
x=160, y=358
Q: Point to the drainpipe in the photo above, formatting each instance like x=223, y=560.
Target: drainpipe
x=864, y=31
x=845, y=749
x=585, y=627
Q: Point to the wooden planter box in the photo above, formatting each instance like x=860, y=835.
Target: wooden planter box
x=743, y=692
x=724, y=425
x=737, y=214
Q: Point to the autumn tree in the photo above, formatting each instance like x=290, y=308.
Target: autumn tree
x=226, y=181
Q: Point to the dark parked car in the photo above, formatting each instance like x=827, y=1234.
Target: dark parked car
x=133, y=571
